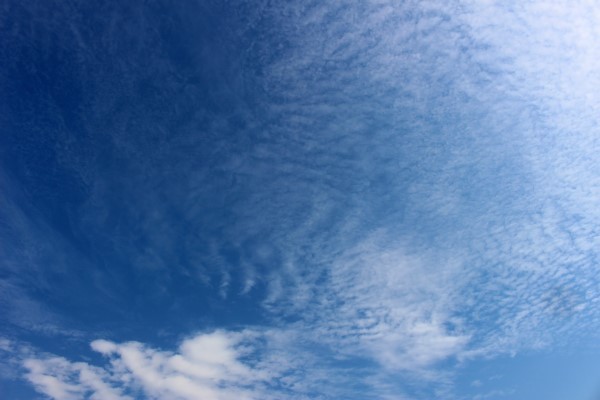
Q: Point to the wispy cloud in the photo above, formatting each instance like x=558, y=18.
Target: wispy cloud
x=484, y=216
x=418, y=184
x=396, y=305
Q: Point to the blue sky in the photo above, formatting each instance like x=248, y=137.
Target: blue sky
x=300, y=200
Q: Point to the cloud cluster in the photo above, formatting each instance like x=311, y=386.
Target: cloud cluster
x=61, y=379
x=207, y=366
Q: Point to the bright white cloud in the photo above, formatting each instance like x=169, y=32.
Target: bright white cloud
x=61, y=379
x=207, y=366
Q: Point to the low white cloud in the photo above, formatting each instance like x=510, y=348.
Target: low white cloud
x=206, y=366
x=61, y=379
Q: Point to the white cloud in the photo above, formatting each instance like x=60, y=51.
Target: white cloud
x=61, y=379
x=207, y=366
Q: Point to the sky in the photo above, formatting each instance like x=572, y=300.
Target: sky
x=258, y=199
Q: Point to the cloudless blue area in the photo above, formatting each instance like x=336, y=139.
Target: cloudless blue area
x=557, y=376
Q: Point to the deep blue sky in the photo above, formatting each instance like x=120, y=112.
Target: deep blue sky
x=299, y=200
